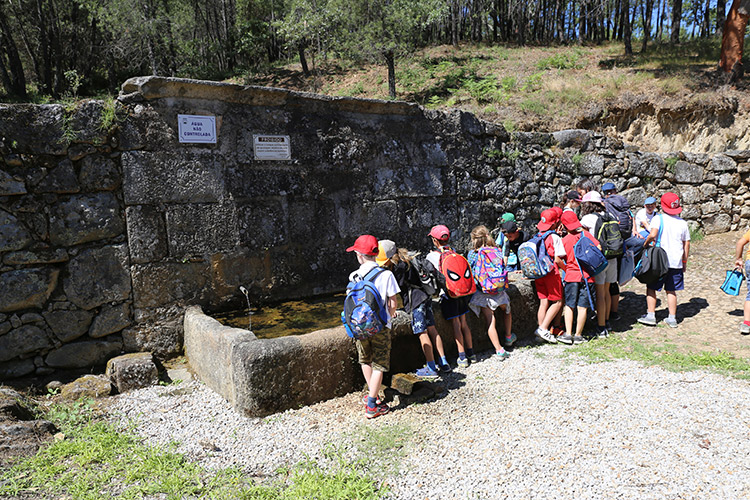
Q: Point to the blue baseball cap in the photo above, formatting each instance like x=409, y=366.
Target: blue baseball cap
x=650, y=201
x=608, y=186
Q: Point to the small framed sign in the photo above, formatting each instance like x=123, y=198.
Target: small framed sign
x=195, y=128
x=272, y=147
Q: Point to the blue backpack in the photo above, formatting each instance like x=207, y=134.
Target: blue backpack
x=588, y=256
x=533, y=258
x=364, y=313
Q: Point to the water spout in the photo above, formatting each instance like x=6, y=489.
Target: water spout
x=247, y=297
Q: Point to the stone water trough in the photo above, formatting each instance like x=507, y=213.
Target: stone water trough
x=264, y=376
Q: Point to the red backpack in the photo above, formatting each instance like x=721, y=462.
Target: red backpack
x=459, y=281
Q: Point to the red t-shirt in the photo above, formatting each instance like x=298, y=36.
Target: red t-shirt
x=572, y=271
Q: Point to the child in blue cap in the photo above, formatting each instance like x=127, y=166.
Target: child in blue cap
x=644, y=216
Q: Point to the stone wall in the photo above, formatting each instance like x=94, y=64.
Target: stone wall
x=108, y=232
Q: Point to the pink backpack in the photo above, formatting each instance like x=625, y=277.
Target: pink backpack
x=489, y=270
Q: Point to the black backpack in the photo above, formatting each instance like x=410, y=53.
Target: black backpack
x=607, y=231
x=619, y=206
x=427, y=275
x=654, y=262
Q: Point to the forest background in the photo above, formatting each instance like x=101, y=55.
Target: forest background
x=57, y=49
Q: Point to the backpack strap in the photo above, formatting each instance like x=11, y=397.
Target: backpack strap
x=370, y=276
x=585, y=281
x=661, y=227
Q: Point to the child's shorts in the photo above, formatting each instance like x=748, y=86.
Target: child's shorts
x=549, y=287
x=610, y=273
x=672, y=281
x=422, y=317
x=577, y=296
x=376, y=351
x=490, y=300
x=747, y=274
x=453, y=308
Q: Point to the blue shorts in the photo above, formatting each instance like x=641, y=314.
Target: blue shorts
x=747, y=273
x=672, y=281
x=577, y=296
x=422, y=317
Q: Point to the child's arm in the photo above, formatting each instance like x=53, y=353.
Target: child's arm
x=685, y=252
x=738, y=251
x=392, y=304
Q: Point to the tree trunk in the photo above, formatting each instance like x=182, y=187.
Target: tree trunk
x=676, y=19
x=302, y=59
x=627, y=33
x=391, y=74
x=454, y=23
x=646, y=16
x=733, y=39
x=13, y=78
x=721, y=8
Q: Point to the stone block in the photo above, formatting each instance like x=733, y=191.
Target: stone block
x=692, y=212
x=145, y=129
x=147, y=234
x=163, y=340
x=88, y=386
x=25, y=288
x=23, y=340
x=646, y=165
x=256, y=229
x=13, y=234
x=111, y=319
x=86, y=218
x=722, y=163
x=167, y=176
x=572, y=138
x=16, y=368
x=230, y=270
x=60, y=179
x=729, y=180
x=68, y=325
x=84, y=354
x=709, y=190
x=156, y=285
x=716, y=223
x=10, y=186
x=99, y=173
x=420, y=394
x=688, y=173
x=98, y=275
x=132, y=371
x=404, y=382
x=34, y=129
x=710, y=208
x=25, y=258
x=635, y=196
x=202, y=228
x=689, y=194
x=5, y=327
x=591, y=164
x=412, y=180
x=369, y=217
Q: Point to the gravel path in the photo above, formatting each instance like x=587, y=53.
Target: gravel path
x=541, y=425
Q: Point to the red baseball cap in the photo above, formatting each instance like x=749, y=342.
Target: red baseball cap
x=558, y=211
x=549, y=218
x=365, y=244
x=670, y=203
x=440, y=232
x=570, y=220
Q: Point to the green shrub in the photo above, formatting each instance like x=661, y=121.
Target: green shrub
x=562, y=60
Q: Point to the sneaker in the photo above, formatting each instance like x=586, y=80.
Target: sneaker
x=377, y=410
x=602, y=332
x=509, y=341
x=445, y=368
x=557, y=331
x=744, y=329
x=645, y=320
x=427, y=373
x=545, y=335
x=463, y=363
x=578, y=340
x=614, y=316
x=472, y=358
x=565, y=339
x=364, y=400
x=672, y=323
x=607, y=325
x=502, y=356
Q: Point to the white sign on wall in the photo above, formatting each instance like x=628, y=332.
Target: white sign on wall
x=272, y=147
x=194, y=128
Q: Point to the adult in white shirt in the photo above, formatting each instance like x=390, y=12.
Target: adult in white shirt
x=644, y=216
x=675, y=240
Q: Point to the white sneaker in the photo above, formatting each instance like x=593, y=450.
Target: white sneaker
x=545, y=335
x=645, y=320
x=744, y=329
x=672, y=323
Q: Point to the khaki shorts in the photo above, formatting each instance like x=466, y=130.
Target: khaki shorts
x=376, y=351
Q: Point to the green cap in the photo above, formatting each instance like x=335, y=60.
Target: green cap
x=507, y=216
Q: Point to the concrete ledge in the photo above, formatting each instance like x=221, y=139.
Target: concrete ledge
x=264, y=376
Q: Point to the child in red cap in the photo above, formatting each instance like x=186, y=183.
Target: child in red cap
x=549, y=288
x=375, y=353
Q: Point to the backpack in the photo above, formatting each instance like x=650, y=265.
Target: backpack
x=619, y=206
x=427, y=275
x=489, y=270
x=607, y=231
x=534, y=260
x=459, y=281
x=589, y=257
x=654, y=262
x=364, y=312
x=733, y=282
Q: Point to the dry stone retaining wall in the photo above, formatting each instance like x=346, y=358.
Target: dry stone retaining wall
x=108, y=231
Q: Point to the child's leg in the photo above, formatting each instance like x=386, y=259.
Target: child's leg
x=489, y=318
x=569, y=320
x=651, y=301
x=367, y=372
x=458, y=334
x=507, y=320
x=542, y=311
x=581, y=322
x=671, y=302
x=466, y=332
x=436, y=340
x=601, y=304
x=552, y=311
x=424, y=339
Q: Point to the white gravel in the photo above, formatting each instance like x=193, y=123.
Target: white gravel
x=540, y=425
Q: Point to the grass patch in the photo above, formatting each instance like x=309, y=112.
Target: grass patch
x=696, y=234
x=665, y=355
x=96, y=459
x=561, y=60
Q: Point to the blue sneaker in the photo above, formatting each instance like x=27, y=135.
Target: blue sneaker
x=502, y=356
x=427, y=373
x=509, y=341
x=463, y=363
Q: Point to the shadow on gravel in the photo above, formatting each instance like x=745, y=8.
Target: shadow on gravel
x=737, y=312
x=691, y=308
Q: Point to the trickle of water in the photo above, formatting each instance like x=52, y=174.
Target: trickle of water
x=247, y=298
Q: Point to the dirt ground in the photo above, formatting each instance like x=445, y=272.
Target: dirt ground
x=708, y=318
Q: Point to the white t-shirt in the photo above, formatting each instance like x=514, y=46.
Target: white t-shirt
x=674, y=233
x=589, y=222
x=434, y=258
x=643, y=216
x=557, y=244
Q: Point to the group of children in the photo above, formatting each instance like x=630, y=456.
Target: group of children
x=478, y=282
